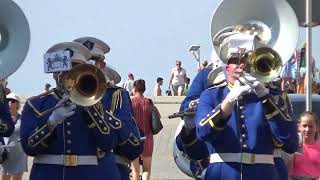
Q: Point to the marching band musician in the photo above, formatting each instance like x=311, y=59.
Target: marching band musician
x=186, y=139
x=64, y=142
x=117, y=101
x=6, y=123
x=243, y=121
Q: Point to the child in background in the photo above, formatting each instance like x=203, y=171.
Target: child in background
x=306, y=164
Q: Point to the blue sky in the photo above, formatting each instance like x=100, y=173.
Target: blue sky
x=146, y=37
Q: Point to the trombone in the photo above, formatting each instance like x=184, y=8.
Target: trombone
x=85, y=85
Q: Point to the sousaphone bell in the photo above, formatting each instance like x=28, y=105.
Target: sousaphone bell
x=14, y=37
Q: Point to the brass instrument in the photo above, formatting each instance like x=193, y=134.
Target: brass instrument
x=14, y=37
x=85, y=85
x=274, y=24
x=264, y=64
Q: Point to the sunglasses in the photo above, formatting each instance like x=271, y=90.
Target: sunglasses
x=12, y=100
x=178, y=64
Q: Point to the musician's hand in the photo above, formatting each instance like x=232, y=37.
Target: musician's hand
x=260, y=89
x=237, y=91
x=61, y=113
x=247, y=78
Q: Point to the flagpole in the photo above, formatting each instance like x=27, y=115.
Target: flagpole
x=308, y=77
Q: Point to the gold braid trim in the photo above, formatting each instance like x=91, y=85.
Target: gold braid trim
x=98, y=108
x=2, y=93
x=116, y=101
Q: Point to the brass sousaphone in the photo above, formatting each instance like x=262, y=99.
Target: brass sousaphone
x=14, y=37
x=275, y=25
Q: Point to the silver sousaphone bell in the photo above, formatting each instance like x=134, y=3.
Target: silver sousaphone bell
x=14, y=37
x=273, y=22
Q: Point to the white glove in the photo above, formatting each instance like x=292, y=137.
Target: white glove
x=247, y=78
x=260, y=89
x=63, y=112
x=237, y=91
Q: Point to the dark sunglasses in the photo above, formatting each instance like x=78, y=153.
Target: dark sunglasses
x=237, y=61
x=12, y=100
x=178, y=64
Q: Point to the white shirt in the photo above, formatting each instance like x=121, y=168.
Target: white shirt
x=178, y=77
x=128, y=86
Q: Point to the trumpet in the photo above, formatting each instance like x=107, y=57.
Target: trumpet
x=264, y=64
x=85, y=85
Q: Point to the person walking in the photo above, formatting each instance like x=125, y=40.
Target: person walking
x=177, y=79
x=129, y=83
x=16, y=164
x=142, y=108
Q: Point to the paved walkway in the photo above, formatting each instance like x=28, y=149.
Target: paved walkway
x=163, y=166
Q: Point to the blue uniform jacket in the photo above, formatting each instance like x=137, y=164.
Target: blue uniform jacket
x=254, y=126
x=117, y=101
x=6, y=123
x=81, y=134
x=199, y=84
x=188, y=142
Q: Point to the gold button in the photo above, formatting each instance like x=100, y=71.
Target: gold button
x=241, y=107
x=69, y=141
x=69, y=151
x=117, y=123
x=245, y=146
x=69, y=123
x=105, y=129
x=31, y=140
x=100, y=121
x=110, y=118
x=95, y=114
x=243, y=135
x=242, y=116
x=68, y=132
x=243, y=126
x=37, y=137
x=42, y=132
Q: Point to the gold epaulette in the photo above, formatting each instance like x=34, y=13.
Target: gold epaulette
x=43, y=95
x=116, y=100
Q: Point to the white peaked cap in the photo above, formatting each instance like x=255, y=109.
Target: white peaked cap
x=97, y=47
x=111, y=74
x=80, y=53
x=233, y=43
x=13, y=96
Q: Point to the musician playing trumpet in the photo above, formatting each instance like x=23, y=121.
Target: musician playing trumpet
x=64, y=141
x=243, y=121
